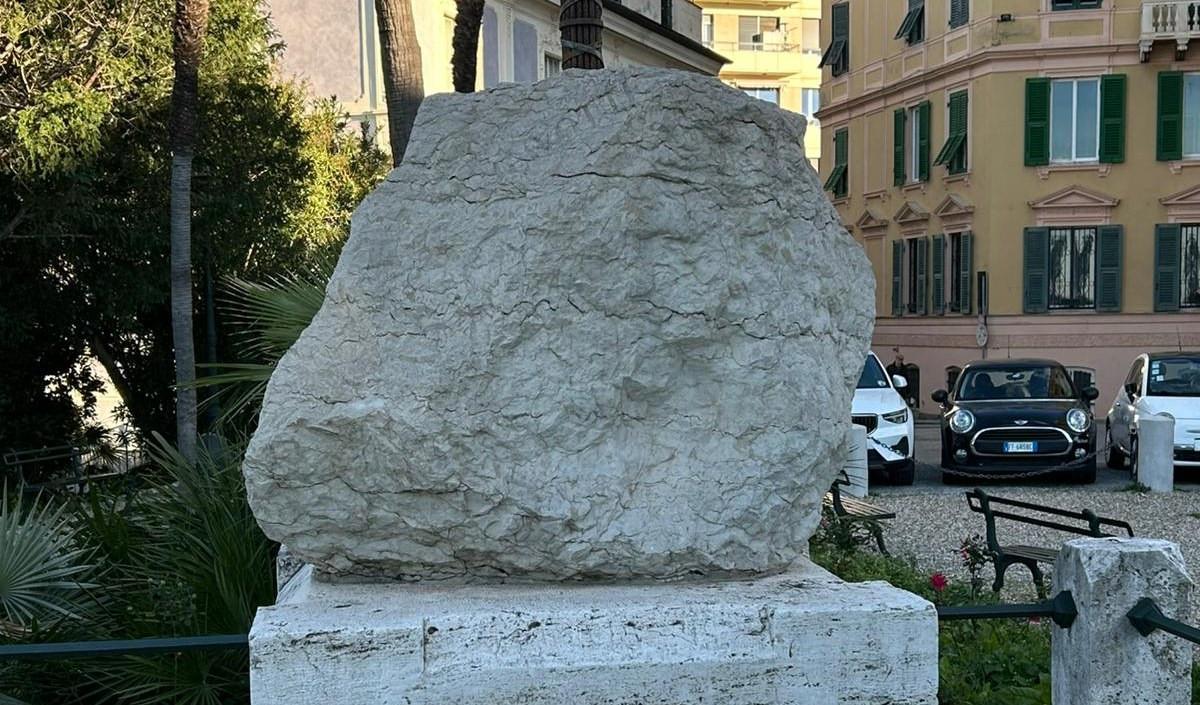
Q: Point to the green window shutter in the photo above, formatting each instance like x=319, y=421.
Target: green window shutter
x=1108, y=265
x=924, y=111
x=922, y=244
x=965, y=272
x=1170, y=116
x=937, y=268
x=1166, y=267
x=960, y=12
x=1037, y=270
x=1112, y=119
x=954, y=152
x=1037, y=121
x=897, y=278
x=899, y=120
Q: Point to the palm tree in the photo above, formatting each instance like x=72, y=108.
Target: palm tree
x=191, y=23
x=466, y=44
x=581, y=24
x=402, y=82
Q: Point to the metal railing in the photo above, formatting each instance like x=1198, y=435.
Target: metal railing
x=1145, y=616
x=124, y=647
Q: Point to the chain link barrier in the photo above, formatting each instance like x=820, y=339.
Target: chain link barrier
x=980, y=475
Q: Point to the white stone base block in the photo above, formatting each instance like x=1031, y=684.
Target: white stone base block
x=800, y=638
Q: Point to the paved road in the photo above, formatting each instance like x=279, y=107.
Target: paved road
x=929, y=474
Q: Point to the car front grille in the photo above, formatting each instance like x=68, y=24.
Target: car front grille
x=871, y=421
x=1050, y=441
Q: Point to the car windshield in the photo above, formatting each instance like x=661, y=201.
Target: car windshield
x=1016, y=382
x=1174, y=376
x=873, y=376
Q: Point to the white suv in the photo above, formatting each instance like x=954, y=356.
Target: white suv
x=1163, y=384
x=889, y=422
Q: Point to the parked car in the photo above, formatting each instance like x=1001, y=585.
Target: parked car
x=1163, y=384
x=879, y=407
x=1014, y=416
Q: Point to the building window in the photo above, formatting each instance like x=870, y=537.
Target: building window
x=810, y=35
x=960, y=13
x=706, y=30
x=1072, y=268
x=956, y=262
x=954, y=151
x=911, y=144
x=1075, y=120
x=837, y=56
x=525, y=52
x=771, y=95
x=810, y=102
x=1189, y=270
x=912, y=271
x=912, y=28
x=838, y=181
x=752, y=33
x=1073, y=4
x=491, y=48
x=551, y=65
x=1176, y=266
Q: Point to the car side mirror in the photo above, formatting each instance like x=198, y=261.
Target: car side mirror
x=899, y=382
x=1091, y=394
x=1131, y=390
x=940, y=396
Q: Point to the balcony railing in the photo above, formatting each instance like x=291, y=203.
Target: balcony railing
x=1177, y=20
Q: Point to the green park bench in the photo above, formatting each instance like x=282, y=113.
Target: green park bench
x=1084, y=523
x=853, y=509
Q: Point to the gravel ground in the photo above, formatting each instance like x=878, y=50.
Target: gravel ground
x=929, y=528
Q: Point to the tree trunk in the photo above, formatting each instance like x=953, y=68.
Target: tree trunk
x=581, y=24
x=402, y=81
x=191, y=22
x=466, y=44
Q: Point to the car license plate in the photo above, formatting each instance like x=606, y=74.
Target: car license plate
x=1021, y=447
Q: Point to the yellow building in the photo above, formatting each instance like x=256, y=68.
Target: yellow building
x=773, y=47
x=1024, y=176
x=334, y=46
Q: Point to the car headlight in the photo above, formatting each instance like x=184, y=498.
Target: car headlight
x=897, y=416
x=1078, y=421
x=962, y=421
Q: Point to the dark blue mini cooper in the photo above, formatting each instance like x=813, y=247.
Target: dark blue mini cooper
x=1005, y=417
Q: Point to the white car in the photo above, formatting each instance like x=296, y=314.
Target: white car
x=1164, y=384
x=888, y=420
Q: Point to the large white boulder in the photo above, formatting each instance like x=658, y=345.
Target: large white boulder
x=602, y=326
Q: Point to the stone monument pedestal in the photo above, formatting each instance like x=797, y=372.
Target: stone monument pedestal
x=802, y=637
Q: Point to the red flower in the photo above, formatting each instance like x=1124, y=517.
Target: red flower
x=938, y=582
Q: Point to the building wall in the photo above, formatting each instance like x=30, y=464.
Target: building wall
x=788, y=65
x=334, y=46
x=999, y=196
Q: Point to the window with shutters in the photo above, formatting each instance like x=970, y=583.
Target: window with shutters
x=1075, y=120
x=915, y=274
x=954, y=152
x=837, y=56
x=1072, y=273
x=912, y=147
x=1074, y=4
x=838, y=181
x=1189, y=266
x=912, y=27
x=960, y=13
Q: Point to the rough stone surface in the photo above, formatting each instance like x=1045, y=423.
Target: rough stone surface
x=1102, y=658
x=799, y=638
x=606, y=325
